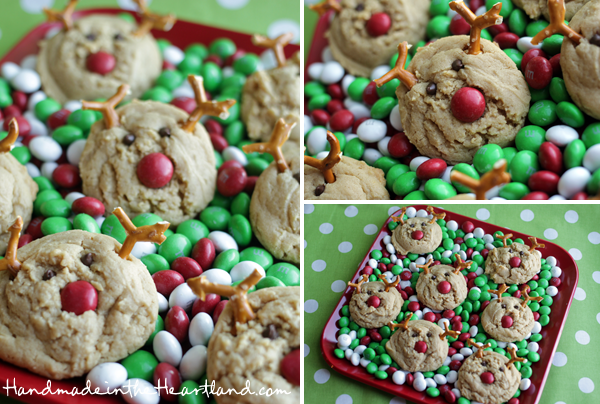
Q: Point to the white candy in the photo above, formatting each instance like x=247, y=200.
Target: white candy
x=418, y=314
x=551, y=291
x=387, y=239
x=422, y=213
x=382, y=146
x=466, y=352
x=73, y=196
x=326, y=55
x=419, y=384
x=48, y=168
x=420, y=261
x=234, y=153
x=344, y=341
x=473, y=331
x=439, y=379
x=447, y=361
x=417, y=161
x=557, y=198
x=355, y=359
x=163, y=303
x=502, y=344
x=411, y=212
x=371, y=130
x=352, y=335
x=525, y=384
x=359, y=111
x=346, y=81
x=395, y=119
x=37, y=127
x=182, y=296
x=455, y=249
x=193, y=363
x=348, y=353
x=317, y=140
x=413, y=298
x=372, y=263
x=72, y=105
x=537, y=327
x=370, y=156
x=243, y=270
x=455, y=390
x=27, y=81
x=167, y=348
x=307, y=124
x=379, y=71
x=45, y=148
x=404, y=284
x=533, y=346
x=443, y=321
x=458, y=357
x=480, y=11
x=561, y=135
x=446, y=175
x=219, y=276
x=75, y=150
x=524, y=44
x=315, y=70
x=143, y=248
x=183, y=91
x=173, y=55
x=32, y=170
x=360, y=349
x=573, y=181
x=452, y=376
x=139, y=391
x=490, y=246
x=35, y=98
x=100, y=220
x=201, y=329
x=452, y=225
x=30, y=62
x=591, y=159
x=267, y=59
x=488, y=238
x=107, y=376
x=551, y=261
x=383, y=367
x=479, y=233
x=10, y=70
x=222, y=241
x=430, y=382
x=364, y=362
x=332, y=73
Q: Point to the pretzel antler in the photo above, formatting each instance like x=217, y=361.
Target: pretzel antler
x=436, y=216
x=527, y=298
x=326, y=165
x=362, y=280
x=480, y=347
x=276, y=45
x=203, y=106
x=557, y=10
x=425, y=266
x=280, y=134
x=325, y=6
x=65, y=17
x=398, y=72
x=111, y=118
x=400, y=218
x=501, y=289
x=403, y=324
x=10, y=261
x=152, y=233
x=448, y=331
x=496, y=176
x=7, y=143
x=534, y=244
x=387, y=284
x=459, y=265
x=490, y=18
x=513, y=356
x=504, y=238
x=152, y=21
x=238, y=295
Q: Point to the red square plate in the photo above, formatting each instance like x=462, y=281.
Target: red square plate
x=182, y=34
x=548, y=344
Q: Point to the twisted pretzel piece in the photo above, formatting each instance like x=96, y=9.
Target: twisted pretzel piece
x=403, y=324
x=387, y=284
x=504, y=238
x=400, y=217
x=10, y=261
x=513, y=356
x=326, y=165
x=279, y=136
x=203, y=106
x=534, y=244
x=8, y=142
x=448, y=331
x=152, y=21
x=398, y=71
x=501, y=289
x=557, y=10
x=526, y=298
x=65, y=17
x=362, y=280
x=153, y=233
x=490, y=18
x=426, y=266
x=480, y=347
x=436, y=216
x=496, y=176
x=459, y=265
x=325, y=6
x=107, y=108
x=276, y=45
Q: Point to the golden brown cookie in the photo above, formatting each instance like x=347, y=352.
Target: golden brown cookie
x=417, y=235
x=536, y=8
x=373, y=307
x=507, y=319
x=441, y=288
x=513, y=264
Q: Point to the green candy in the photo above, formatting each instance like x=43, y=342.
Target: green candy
x=438, y=27
x=416, y=196
x=517, y=22
x=286, y=273
x=140, y=365
x=241, y=204
x=539, y=95
x=222, y=47
x=357, y=87
x=22, y=154
x=439, y=7
x=530, y=138
x=82, y=119
x=507, y=6
x=318, y=101
x=45, y=108
x=465, y=169
x=593, y=185
x=406, y=183
x=194, y=230
x=535, y=27
x=5, y=99
x=159, y=326
x=394, y=172
x=191, y=64
x=239, y=228
x=383, y=107
x=574, y=153
x=552, y=44
x=174, y=247
x=169, y=79
x=523, y=166
x=235, y=82
x=259, y=255
x=438, y=189
x=197, y=49
x=86, y=223
x=53, y=225
x=155, y=263
x=44, y=184
x=314, y=88
x=558, y=90
x=113, y=228
x=212, y=75
x=227, y=259
x=190, y=393
x=355, y=148
x=247, y=64
x=485, y=34
x=65, y=135
x=570, y=114
x=220, y=201
x=341, y=139
x=509, y=154
x=515, y=55
x=389, y=89
x=42, y=197
x=514, y=191
x=162, y=43
x=146, y=219
x=256, y=166
x=269, y=282
x=591, y=135
x=215, y=218
x=543, y=113
x=158, y=93
x=235, y=133
x=385, y=163
x=486, y=157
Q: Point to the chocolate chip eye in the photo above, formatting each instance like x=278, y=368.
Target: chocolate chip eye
x=49, y=274
x=502, y=369
x=457, y=65
x=424, y=224
x=129, y=139
x=270, y=332
x=595, y=40
x=319, y=190
x=447, y=274
x=503, y=306
x=415, y=334
x=369, y=293
x=510, y=250
x=164, y=132
x=118, y=37
x=87, y=259
x=517, y=306
x=90, y=37
x=360, y=7
x=412, y=225
x=431, y=89
x=522, y=253
x=429, y=334
x=433, y=276
x=484, y=363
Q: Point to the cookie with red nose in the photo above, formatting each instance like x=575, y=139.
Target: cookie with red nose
x=374, y=304
x=417, y=235
x=514, y=264
x=442, y=287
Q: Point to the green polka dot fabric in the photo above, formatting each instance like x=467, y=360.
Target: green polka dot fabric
x=337, y=237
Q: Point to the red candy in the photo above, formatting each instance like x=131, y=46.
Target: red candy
x=555, y=282
x=218, y=142
x=88, y=205
x=580, y=196
x=155, y=170
x=399, y=145
x=373, y=301
x=421, y=346
x=290, y=367
x=334, y=106
x=450, y=397
x=417, y=235
x=506, y=40
x=231, y=181
x=376, y=337
x=177, y=323
x=515, y=262
x=218, y=310
x=496, y=30
x=429, y=316
x=187, y=267
x=204, y=252
x=370, y=95
x=35, y=227
x=556, y=68
x=413, y=306
x=536, y=196
x=551, y=158
x=367, y=270
x=357, y=123
x=459, y=26
x=320, y=117
x=544, y=181
x=507, y=321
x=251, y=184
x=538, y=72
x=448, y=314
x=341, y=120
x=215, y=59
x=468, y=227
x=366, y=340
x=335, y=91
x=213, y=127
x=19, y=100
x=101, y=62
x=444, y=287
x=230, y=59
x=379, y=24
x=473, y=319
x=207, y=305
x=457, y=326
x=530, y=54
x=455, y=364
x=513, y=400
x=66, y=176
x=58, y=119
x=11, y=111
x=186, y=103
x=468, y=104
x=24, y=127
x=78, y=297
x=229, y=163
x=166, y=375
x=487, y=378
x=432, y=168
x=166, y=281
x=474, y=5
x=24, y=240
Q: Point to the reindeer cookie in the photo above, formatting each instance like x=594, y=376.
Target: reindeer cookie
x=362, y=34
x=92, y=56
x=537, y=8
x=72, y=300
x=417, y=235
x=17, y=189
x=515, y=263
x=152, y=157
x=256, y=339
x=275, y=204
x=489, y=377
x=374, y=304
x=342, y=178
x=442, y=287
x=508, y=319
x=419, y=346
x=460, y=93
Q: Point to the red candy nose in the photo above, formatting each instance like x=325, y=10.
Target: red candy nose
x=487, y=378
x=468, y=104
x=379, y=24
x=421, y=347
x=79, y=297
x=444, y=287
x=515, y=262
x=417, y=235
x=507, y=321
x=290, y=367
x=155, y=170
x=373, y=301
x=101, y=62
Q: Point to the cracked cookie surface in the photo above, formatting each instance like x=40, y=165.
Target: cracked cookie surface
x=401, y=346
x=404, y=241
x=499, y=269
x=375, y=317
x=522, y=319
x=428, y=289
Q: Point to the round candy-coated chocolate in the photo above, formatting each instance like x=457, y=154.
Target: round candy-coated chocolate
x=487, y=378
x=379, y=24
x=515, y=262
x=177, y=323
x=444, y=287
x=207, y=305
x=53, y=225
x=187, y=267
x=290, y=367
x=399, y=145
x=231, y=181
x=458, y=25
x=101, y=62
x=437, y=188
x=373, y=301
x=507, y=321
x=544, y=181
x=417, y=235
x=287, y=273
x=175, y=246
x=341, y=120
x=166, y=375
x=506, y=40
x=536, y=196
x=88, y=205
x=167, y=281
x=543, y=113
x=240, y=229
x=421, y=346
x=140, y=365
x=78, y=297
x=155, y=170
x=432, y=168
x=523, y=165
x=570, y=114
x=538, y=72
x=204, y=253
x=529, y=55
x=468, y=104
x=513, y=191
x=551, y=157
x=66, y=176
x=227, y=259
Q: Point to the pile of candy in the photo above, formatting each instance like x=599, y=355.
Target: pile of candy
x=366, y=347
x=220, y=244
x=556, y=155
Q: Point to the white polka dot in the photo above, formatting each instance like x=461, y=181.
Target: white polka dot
x=305, y=244
x=579, y=294
x=393, y=209
x=326, y=228
x=309, y=208
x=571, y=216
x=282, y=26
x=310, y=306
x=232, y=4
x=318, y=265
x=344, y=399
x=575, y=253
x=345, y=247
x=596, y=276
x=598, y=318
x=306, y=350
x=397, y=400
x=586, y=385
x=351, y=211
x=559, y=360
x=322, y=376
x=594, y=237
x=582, y=337
x=550, y=234
x=338, y=286
x=35, y=6
x=527, y=215
x=370, y=229
x=483, y=214
x=129, y=4
x=560, y=402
